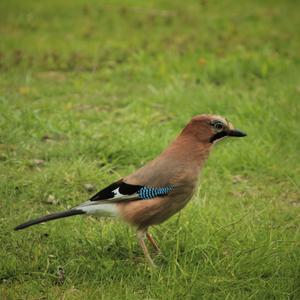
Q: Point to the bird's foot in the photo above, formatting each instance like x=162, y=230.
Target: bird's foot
x=151, y=263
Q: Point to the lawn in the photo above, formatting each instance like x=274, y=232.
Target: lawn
x=90, y=91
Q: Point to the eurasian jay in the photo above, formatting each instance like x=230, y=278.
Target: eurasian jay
x=162, y=187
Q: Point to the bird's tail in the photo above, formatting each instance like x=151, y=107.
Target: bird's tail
x=63, y=214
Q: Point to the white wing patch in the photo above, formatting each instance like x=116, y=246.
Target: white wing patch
x=118, y=195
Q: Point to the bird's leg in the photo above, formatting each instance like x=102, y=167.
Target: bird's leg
x=141, y=236
x=153, y=242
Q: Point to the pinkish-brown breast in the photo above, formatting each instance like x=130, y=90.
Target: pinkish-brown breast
x=179, y=165
x=144, y=213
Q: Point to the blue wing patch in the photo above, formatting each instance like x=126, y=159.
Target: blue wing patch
x=150, y=192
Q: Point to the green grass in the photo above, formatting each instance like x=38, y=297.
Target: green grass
x=95, y=90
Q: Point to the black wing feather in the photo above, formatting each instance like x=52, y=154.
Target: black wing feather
x=124, y=188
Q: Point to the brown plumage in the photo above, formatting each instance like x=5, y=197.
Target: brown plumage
x=163, y=186
x=180, y=165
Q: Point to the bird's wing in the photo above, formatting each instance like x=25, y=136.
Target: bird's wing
x=121, y=191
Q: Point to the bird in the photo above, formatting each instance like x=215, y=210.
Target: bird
x=160, y=188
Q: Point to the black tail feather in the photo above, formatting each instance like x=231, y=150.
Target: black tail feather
x=63, y=214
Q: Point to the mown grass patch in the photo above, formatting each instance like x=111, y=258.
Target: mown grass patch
x=90, y=92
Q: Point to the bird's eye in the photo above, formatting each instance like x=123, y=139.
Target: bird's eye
x=218, y=126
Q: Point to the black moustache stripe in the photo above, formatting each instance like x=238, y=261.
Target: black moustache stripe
x=217, y=136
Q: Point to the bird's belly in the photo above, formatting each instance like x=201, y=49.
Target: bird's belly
x=144, y=213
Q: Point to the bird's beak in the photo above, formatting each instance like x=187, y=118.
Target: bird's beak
x=236, y=133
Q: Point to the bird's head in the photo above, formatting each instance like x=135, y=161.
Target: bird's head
x=211, y=128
